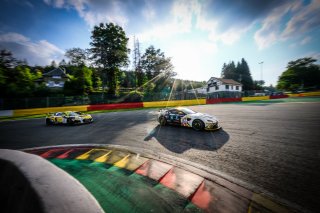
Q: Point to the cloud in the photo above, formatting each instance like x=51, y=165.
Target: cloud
x=268, y=33
x=306, y=19
x=291, y=20
x=95, y=12
x=306, y=40
x=40, y=53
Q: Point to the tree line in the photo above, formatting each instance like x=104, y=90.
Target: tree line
x=101, y=68
x=104, y=67
x=240, y=72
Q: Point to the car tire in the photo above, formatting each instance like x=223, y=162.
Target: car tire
x=69, y=122
x=198, y=125
x=48, y=122
x=162, y=121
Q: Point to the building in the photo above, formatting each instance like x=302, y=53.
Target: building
x=218, y=87
x=55, y=78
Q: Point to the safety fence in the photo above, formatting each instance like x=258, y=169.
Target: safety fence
x=136, y=105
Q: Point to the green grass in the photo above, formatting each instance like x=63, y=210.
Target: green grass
x=121, y=190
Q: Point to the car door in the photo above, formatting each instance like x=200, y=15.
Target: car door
x=175, y=116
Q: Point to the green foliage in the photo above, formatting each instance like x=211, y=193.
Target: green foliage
x=134, y=96
x=258, y=85
x=300, y=74
x=240, y=73
x=109, y=52
x=80, y=83
x=127, y=79
x=154, y=62
x=77, y=56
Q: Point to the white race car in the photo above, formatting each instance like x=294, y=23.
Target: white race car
x=186, y=117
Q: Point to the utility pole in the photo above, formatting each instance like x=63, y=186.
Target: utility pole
x=261, y=67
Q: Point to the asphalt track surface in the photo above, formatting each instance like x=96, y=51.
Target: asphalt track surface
x=272, y=147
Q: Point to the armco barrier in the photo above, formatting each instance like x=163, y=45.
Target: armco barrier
x=115, y=106
x=310, y=93
x=5, y=113
x=174, y=103
x=37, y=111
x=278, y=96
x=257, y=98
x=222, y=100
x=294, y=95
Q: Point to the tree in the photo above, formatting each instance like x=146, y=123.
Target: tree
x=154, y=62
x=300, y=74
x=229, y=71
x=77, y=56
x=109, y=52
x=244, y=75
x=53, y=64
x=240, y=73
x=63, y=63
x=258, y=85
x=80, y=83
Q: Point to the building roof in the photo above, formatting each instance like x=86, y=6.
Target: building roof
x=56, y=72
x=228, y=81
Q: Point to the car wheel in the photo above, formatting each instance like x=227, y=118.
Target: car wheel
x=69, y=121
x=162, y=121
x=48, y=122
x=197, y=125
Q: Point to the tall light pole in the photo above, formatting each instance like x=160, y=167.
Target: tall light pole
x=261, y=68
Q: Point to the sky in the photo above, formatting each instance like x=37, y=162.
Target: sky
x=198, y=35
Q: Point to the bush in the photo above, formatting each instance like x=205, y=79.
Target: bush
x=134, y=96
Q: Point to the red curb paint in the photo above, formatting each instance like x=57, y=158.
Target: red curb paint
x=222, y=100
x=184, y=182
x=52, y=153
x=211, y=197
x=73, y=153
x=278, y=96
x=115, y=106
x=153, y=169
x=202, y=197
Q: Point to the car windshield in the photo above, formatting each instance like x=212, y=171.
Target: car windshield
x=73, y=114
x=187, y=111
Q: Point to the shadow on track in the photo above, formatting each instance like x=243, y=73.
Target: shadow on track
x=181, y=139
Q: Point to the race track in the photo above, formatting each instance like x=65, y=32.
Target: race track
x=274, y=147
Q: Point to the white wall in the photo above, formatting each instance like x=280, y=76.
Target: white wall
x=222, y=88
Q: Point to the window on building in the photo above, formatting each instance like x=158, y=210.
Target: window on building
x=217, y=87
x=232, y=87
x=237, y=87
x=227, y=86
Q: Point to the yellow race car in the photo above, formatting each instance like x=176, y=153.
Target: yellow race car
x=68, y=117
